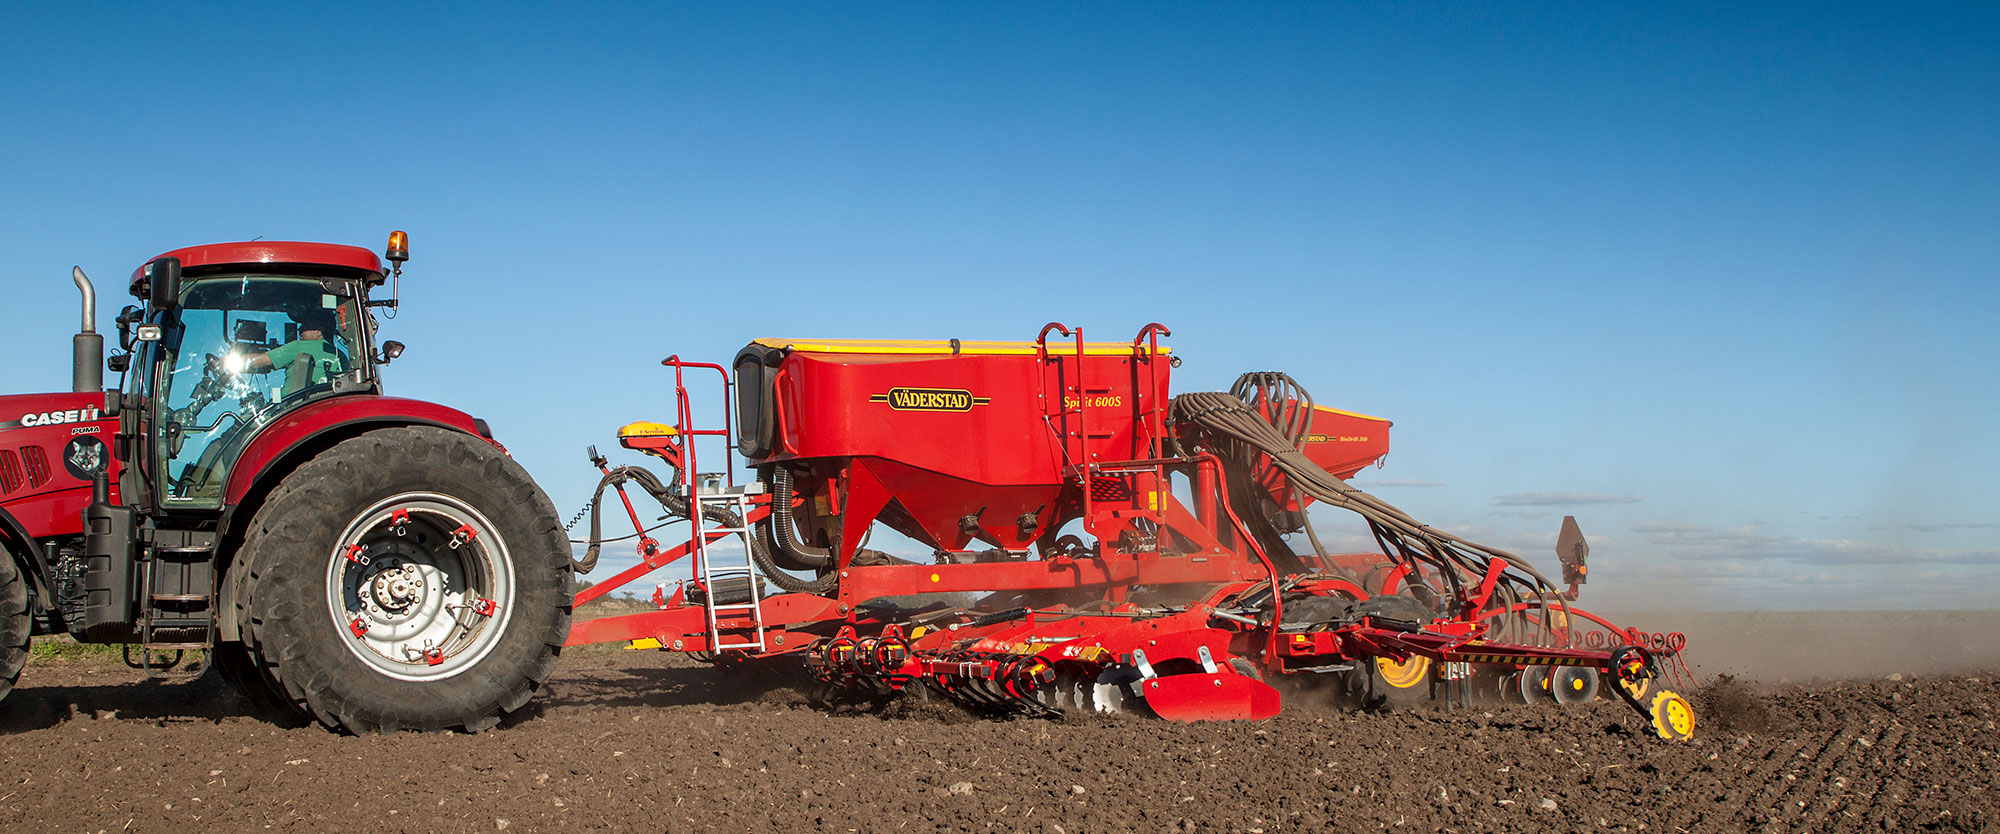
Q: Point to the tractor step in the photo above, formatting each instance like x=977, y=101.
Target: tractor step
x=178, y=611
x=163, y=667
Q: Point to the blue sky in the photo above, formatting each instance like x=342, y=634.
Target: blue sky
x=1717, y=280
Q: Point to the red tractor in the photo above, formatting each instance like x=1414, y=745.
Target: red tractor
x=247, y=490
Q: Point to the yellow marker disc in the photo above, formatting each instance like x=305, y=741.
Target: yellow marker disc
x=1673, y=716
x=1405, y=675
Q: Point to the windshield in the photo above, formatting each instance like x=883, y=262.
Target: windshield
x=238, y=350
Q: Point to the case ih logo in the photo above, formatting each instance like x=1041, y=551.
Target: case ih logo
x=56, y=418
x=929, y=399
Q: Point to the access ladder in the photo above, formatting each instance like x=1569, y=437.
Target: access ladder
x=731, y=625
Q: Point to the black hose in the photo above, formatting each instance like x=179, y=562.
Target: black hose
x=760, y=550
x=760, y=554
x=648, y=481
x=1325, y=561
x=797, y=555
x=589, y=561
x=1242, y=431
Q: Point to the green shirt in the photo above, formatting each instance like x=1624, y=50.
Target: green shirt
x=325, y=362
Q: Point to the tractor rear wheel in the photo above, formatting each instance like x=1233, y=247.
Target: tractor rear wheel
x=236, y=665
x=15, y=623
x=408, y=578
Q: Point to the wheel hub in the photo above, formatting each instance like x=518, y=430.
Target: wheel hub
x=397, y=588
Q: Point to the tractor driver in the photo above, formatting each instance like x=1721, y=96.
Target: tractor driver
x=313, y=352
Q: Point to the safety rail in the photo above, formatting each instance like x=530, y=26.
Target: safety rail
x=684, y=417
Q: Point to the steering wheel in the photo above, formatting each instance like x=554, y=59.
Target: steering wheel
x=212, y=386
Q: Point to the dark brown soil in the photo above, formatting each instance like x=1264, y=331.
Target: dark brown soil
x=1732, y=706
x=645, y=741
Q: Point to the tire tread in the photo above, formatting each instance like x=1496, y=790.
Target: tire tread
x=280, y=592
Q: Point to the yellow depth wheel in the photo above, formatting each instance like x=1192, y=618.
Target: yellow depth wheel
x=1673, y=716
x=1407, y=674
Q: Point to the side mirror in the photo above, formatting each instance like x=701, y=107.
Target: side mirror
x=163, y=283
x=390, y=350
x=126, y=318
x=119, y=363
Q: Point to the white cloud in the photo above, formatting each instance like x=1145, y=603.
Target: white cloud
x=1952, y=525
x=1667, y=527
x=1695, y=541
x=1562, y=499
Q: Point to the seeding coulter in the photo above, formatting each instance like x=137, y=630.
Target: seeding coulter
x=1098, y=542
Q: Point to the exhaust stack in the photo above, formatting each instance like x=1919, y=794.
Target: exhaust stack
x=87, y=373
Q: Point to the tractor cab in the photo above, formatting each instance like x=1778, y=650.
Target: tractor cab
x=233, y=337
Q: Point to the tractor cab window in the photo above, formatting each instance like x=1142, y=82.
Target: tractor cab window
x=238, y=351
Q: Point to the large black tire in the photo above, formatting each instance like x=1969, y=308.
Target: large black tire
x=15, y=623
x=236, y=665
x=323, y=628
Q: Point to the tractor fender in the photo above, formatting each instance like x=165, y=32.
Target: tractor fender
x=23, y=549
x=308, y=427
x=294, y=439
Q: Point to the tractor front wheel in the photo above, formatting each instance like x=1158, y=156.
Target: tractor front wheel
x=15, y=623
x=408, y=578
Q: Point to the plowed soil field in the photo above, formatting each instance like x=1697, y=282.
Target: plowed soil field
x=645, y=741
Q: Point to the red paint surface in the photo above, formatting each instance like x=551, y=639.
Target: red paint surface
x=1005, y=453
x=270, y=252
x=54, y=506
x=303, y=423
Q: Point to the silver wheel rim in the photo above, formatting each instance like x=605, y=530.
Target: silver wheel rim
x=420, y=587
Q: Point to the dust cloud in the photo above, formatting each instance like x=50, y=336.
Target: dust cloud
x=1788, y=646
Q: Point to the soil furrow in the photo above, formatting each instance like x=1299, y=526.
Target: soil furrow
x=1831, y=780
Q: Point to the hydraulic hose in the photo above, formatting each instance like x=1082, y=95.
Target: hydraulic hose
x=1242, y=433
x=646, y=480
x=1320, y=550
x=760, y=549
